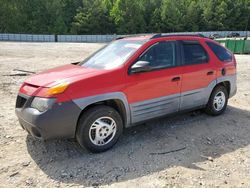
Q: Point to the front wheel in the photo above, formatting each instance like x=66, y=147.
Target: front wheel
x=99, y=128
x=218, y=101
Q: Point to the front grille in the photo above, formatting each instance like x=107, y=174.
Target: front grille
x=20, y=101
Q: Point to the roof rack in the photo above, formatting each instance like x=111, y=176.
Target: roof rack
x=132, y=35
x=159, y=35
x=118, y=38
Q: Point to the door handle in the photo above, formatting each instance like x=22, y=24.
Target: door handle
x=223, y=71
x=176, y=79
x=210, y=72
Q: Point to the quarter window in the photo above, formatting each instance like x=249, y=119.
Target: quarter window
x=194, y=53
x=160, y=55
x=222, y=53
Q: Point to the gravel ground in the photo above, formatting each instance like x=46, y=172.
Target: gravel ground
x=215, y=151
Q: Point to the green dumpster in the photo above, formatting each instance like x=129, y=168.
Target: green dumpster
x=230, y=44
x=238, y=46
x=247, y=47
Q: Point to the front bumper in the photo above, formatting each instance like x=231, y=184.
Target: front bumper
x=59, y=121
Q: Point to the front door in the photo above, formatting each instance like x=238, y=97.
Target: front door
x=155, y=92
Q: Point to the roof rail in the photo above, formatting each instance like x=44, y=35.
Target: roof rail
x=118, y=38
x=159, y=35
x=132, y=35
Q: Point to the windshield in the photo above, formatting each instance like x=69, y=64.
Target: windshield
x=113, y=55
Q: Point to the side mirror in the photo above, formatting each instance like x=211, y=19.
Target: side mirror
x=140, y=66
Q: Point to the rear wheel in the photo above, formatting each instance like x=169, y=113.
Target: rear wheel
x=218, y=101
x=99, y=128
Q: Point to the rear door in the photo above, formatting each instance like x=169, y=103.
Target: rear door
x=198, y=72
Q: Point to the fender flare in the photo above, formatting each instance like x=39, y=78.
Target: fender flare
x=230, y=78
x=82, y=103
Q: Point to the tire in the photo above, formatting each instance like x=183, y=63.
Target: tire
x=97, y=123
x=216, y=108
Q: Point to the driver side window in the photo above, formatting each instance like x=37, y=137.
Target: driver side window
x=160, y=55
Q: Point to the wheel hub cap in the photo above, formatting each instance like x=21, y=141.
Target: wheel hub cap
x=102, y=131
x=219, y=101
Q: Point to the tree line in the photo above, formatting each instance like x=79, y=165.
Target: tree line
x=122, y=16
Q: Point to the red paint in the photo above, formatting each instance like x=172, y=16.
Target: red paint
x=86, y=82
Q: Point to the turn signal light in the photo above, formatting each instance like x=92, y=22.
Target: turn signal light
x=57, y=89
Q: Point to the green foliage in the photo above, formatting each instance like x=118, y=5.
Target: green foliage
x=128, y=16
x=92, y=18
x=193, y=15
x=172, y=15
x=122, y=16
x=11, y=17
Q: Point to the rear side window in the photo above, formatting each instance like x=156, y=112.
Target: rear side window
x=222, y=53
x=194, y=53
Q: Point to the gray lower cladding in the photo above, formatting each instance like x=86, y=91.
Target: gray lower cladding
x=170, y=104
x=155, y=107
x=233, y=83
x=59, y=121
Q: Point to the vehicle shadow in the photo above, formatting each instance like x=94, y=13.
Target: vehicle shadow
x=138, y=151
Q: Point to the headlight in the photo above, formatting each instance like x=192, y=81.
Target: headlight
x=42, y=104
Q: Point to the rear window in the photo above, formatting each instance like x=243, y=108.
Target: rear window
x=194, y=53
x=222, y=53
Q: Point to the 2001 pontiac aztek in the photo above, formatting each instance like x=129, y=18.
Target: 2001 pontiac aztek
x=131, y=80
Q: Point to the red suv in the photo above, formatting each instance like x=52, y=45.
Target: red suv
x=131, y=80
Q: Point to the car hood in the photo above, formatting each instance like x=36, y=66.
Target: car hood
x=66, y=72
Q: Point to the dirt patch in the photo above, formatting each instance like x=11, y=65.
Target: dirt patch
x=216, y=150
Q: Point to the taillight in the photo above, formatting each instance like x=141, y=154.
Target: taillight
x=234, y=60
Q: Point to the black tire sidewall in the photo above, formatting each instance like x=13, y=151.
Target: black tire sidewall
x=88, y=118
